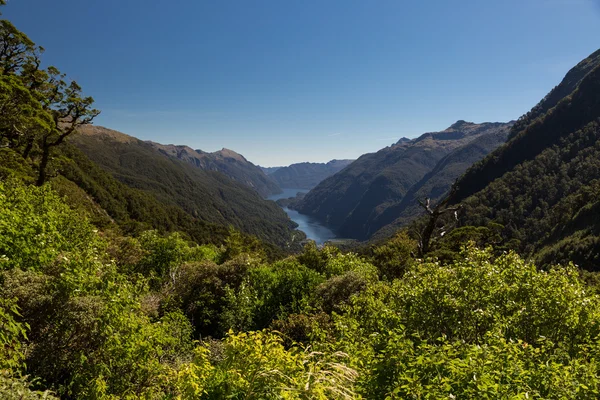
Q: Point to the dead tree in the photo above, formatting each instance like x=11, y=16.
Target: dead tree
x=441, y=208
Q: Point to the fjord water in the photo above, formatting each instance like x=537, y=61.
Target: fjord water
x=313, y=229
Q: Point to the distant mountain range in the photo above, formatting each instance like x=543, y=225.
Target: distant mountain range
x=379, y=188
x=269, y=170
x=305, y=175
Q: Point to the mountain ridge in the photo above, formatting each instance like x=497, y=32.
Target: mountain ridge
x=307, y=175
x=542, y=187
x=205, y=194
x=353, y=199
x=226, y=161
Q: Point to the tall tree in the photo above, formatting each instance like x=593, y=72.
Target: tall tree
x=38, y=107
x=69, y=110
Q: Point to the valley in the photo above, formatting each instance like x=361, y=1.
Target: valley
x=244, y=231
x=309, y=225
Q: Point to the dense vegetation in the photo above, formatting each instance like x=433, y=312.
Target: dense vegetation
x=542, y=188
x=368, y=194
x=88, y=314
x=436, y=184
x=96, y=304
x=206, y=195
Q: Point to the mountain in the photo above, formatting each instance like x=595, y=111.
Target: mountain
x=543, y=185
x=206, y=195
x=268, y=170
x=355, y=201
x=528, y=136
x=436, y=184
x=226, y=161
x=307, y=175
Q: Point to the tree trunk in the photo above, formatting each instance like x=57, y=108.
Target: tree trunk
x=28, y=148
x=43, y=164
x=427, y=233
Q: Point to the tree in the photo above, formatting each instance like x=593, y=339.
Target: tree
x=72, y=111
x=16, y=49
x=60, y=110
x=22, y=117
x=426, y=234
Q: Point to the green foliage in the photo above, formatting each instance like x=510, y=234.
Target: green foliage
x=99, y=315
x=36, y=227
x=395, y=256
x=11, y=334
x=40, y=109
x=543, y=185
x=204, y=290
x=237, y=244
x=256, y=365
x=477, y=328
x=206, y=196
x=12, y=388
x=23, y=117
x=133, y=210
x=114, y=317
x=280, y=289
x=163, y=255
x=409, y=368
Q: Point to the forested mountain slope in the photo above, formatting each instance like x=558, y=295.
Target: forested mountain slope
x=307, y=175
x=207, y=195
x=226, y=161
x=534, y=131
x=543, y=186
x=352, y=200
x=436, y=184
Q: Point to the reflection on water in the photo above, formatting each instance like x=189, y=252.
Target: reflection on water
x=313, y=229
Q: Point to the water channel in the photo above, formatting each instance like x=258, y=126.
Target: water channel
x=314, y=229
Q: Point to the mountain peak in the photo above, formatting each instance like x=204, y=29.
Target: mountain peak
x=227, y=153
x=95, y=130
x=461, y=123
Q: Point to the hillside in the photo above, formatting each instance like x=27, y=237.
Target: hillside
x=354, y=199
x=437, y=182
x=529, y=136
x=207, y=195
x=306, y=175
x=226, y=161
x=543, y=185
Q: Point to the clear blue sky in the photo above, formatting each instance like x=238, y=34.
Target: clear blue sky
x=290, y=81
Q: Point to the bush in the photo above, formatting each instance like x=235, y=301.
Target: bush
x=395, y=256
x=36, y=227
